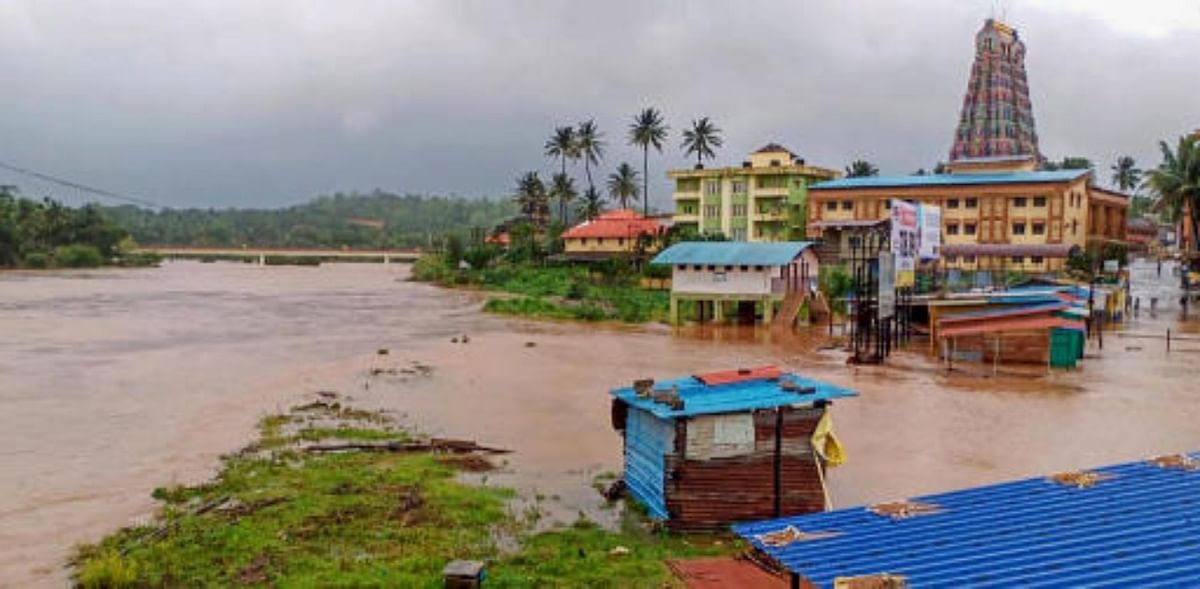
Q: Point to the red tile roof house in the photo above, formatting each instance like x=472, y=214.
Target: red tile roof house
x=610, y=234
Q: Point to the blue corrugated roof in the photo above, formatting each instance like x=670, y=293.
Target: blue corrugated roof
x=949, y=180
x=1138, y=528
x=732, y=253
x=701, y=399
x=1007, y=310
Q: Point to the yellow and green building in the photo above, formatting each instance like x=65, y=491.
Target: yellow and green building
x=764, y=199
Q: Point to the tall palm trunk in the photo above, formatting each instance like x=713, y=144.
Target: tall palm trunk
x=646, y=180
x=588, y=170
x=562, y=203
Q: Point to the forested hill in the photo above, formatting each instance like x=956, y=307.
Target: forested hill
x=354, y=220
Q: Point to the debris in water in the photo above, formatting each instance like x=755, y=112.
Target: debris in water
x=327, y=394
x=614, y=491
x=454, y=340
x=465, y=339
x=618, y=551
x=382, y=351
x=530, y=344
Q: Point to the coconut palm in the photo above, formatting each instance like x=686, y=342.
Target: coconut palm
x=562, y=190
x=647, y=130
x=1126, y=175
x=701, y=139
x=531, y=197
x=589, y=146
x=1176, y=182
x=623, y=186
x=591, y=205
x=861, y=168
x=561, y=145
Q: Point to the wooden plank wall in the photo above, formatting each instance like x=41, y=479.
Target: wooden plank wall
x=708, y=494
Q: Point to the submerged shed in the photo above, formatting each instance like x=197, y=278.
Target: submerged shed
x=1129, y=525
x=707, y=450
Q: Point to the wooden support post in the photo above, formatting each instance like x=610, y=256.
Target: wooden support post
x=674, y=316
x=1168, y=340
x=779, y=462
x=996, y=357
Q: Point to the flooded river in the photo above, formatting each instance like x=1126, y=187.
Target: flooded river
x=114, y=382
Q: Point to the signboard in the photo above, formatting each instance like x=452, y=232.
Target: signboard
x=887, y=284
x=1112, y=266
x=905, y=241
x=931, y=232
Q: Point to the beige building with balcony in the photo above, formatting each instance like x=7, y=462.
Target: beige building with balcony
x=763, y=200
x=997, y=213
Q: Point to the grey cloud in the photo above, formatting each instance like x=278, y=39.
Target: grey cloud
x=260, y=104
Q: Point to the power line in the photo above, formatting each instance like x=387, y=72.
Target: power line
x=81, y=187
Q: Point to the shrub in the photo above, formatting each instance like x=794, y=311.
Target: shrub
x=481, y=256
x=431, y=268
x=453, y=254
x=38, y=260
x=77, y=256
x=107, y=570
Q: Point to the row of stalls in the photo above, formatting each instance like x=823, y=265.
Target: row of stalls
x=1046, y=324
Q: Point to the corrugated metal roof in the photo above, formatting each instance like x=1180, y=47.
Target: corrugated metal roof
x=950, y=180
x=1137, y=526
x=732, y=253
x=1038, y=308
x=700, y=399
x=1009, y=324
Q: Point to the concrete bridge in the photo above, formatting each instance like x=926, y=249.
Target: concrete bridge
x=262, y=253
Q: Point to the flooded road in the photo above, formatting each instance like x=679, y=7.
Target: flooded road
x=115, y=382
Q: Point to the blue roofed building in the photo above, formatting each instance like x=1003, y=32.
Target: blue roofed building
x=999, y=214
x=707, y=450
x=767, y=281
x=1130, y=525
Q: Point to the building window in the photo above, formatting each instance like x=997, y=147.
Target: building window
x=952, y=203
x=744, y=268
x=758, y=268
x=1039, y=201
x=621, y=241
x=712, y=268
x=697, y=267
x=969, y=228
x=847, y=205
x=1039, y=228
x=952, y=259
x=1018, y=259
x=831, y=205
x=971, y=203
x=1020, y=201
x=969, y=259
x=952, y=229
x=739, y=235
x=1018, y=229
x=712, y=210
x=599, y=241
x=738, y=186
x=739, y=210
x=712, y=187
x=1036, y=259
x=1074, y=227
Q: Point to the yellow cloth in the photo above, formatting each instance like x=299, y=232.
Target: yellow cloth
x=826, y=443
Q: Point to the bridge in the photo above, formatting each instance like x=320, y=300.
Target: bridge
x=262, y=253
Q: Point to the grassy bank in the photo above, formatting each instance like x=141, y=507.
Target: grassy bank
x=607, y=293
x=280, y=514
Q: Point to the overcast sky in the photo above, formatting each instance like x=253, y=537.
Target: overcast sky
x=267, y=103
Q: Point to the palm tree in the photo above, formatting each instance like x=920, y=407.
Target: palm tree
x=861, y=168
x=701, y=139
x=562, y=189
x=647, y=130
x=589, y=146
x=1126, y=175
x=531, y=197
x=591, y=205
x=1176, y=182
x=622, y=185
x=561, y=145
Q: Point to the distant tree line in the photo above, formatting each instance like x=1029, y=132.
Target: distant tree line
x=45, y=233
x=357, y=221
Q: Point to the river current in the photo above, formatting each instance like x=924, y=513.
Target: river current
x=114, y=382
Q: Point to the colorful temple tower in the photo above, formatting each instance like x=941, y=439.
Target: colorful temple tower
x=997, y=116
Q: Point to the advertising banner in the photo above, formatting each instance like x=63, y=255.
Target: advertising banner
x=931, y=232
x=887, y=284
x=905, y=241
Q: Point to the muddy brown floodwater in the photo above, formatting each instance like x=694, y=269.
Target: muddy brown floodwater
x=113, y=382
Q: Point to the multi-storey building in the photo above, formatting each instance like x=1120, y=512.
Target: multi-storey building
x=1023, y=220
x=763, y=200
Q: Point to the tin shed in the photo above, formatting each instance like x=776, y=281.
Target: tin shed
x=707, y=450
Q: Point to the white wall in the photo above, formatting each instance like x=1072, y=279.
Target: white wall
x=734, y=281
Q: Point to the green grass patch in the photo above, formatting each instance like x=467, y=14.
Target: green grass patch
x=276, y=515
